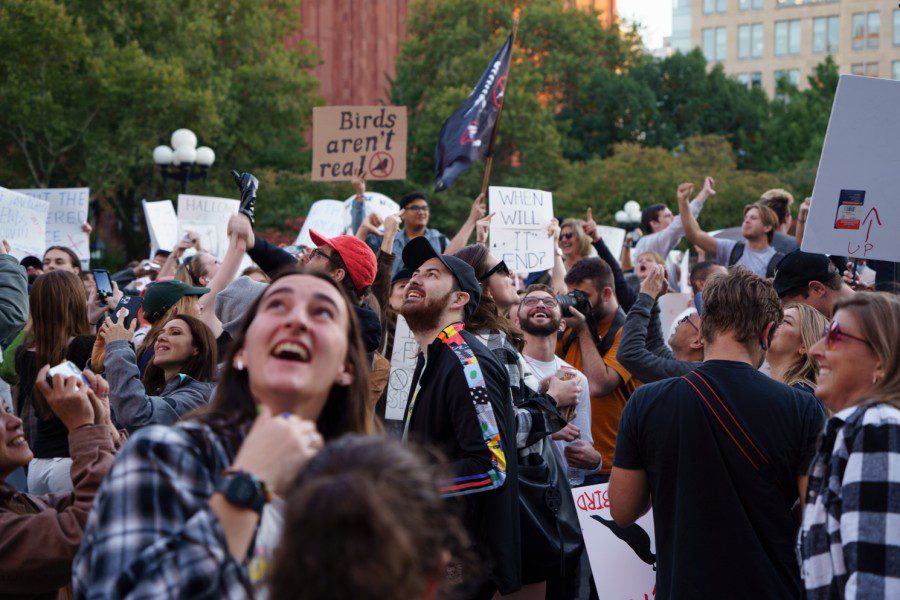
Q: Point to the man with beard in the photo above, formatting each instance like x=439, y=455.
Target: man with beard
x=460, y=403
x=590, y=346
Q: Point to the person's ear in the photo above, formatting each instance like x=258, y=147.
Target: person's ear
x=607, y=294
x=345, y=377
x=815, y=288
x=802, y=351
x=339, y=274
x=766, y=335
x=462, y=298
x=239, y=363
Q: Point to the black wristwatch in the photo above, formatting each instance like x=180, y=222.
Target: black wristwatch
x=244, y=490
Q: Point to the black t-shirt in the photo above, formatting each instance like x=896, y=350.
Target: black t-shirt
x=50, y=437
x=724, y=528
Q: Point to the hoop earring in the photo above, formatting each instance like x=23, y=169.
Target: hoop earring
x=239, y=365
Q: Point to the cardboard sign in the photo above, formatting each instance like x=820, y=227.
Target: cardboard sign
x=855, y=211
x=23, y=223
x=68, y=210
x=325, y=217
x=348, y=139
x=162, y=225
x=208, y=216
x=519, y=228
x=622, y=560
x=403, y=364
x=614, y=238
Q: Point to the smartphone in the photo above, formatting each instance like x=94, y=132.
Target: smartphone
x=132, y=304
x=67, y=369
x=149, y=265
x=103, y=282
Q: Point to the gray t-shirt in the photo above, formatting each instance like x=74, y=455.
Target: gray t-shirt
x=755, y=260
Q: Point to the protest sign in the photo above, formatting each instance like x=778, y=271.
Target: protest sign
x=684, y=281
x=670, y=306
x=208, y=217
x=855, y=211
x=403, y=364
x=325, y=217
x=67, y=211
x=23, y=223
x=162, y=225
x=376, y=203
x=614, y=238
x=350, y=139
x=622, y=560
x=519, y=228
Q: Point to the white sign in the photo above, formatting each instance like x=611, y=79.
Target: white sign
x=162, y=225
x=208, y=216
x=23, y=223
x=670, y=307
x=855, y=210
x=519, y=228
x=622, y=560
x=614, y=238
x=403, y=365
x=68, y=210
x=376, y=203
x=325, y=217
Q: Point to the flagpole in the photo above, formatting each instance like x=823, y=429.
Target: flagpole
x=490, y=156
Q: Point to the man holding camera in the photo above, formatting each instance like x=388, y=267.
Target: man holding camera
x=593, y=329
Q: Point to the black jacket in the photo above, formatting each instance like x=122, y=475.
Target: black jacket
x=444, y=415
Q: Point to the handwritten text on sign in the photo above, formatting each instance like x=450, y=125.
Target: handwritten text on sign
x=208, y=217
x=67, y=211
x=350, y=139
x=519, y=228
x=403, y=364
x=23, y=221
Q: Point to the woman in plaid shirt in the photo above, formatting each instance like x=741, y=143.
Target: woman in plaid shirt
x=185, y=511
x=849, y=541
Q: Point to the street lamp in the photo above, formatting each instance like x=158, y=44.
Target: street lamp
x=179, y=160
x=630, y=215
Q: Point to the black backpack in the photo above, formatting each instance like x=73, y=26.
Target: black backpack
x=738, y=251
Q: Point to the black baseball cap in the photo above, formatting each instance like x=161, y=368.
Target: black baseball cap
x=419, y=251
x=32, y=261
x=798, y=268
x=403, y=274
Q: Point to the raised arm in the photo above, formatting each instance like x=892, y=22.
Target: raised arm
x=558, y=272
x=461, y=239
x=239, y=232
x=190, y=240
x=802, y=215
x=624, y=294
x=692, y=230
x=381, y=288
x=602, y=379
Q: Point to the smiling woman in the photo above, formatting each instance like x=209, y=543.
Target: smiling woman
x=209, y=486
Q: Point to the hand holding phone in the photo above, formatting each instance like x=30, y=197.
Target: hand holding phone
x=103, y=283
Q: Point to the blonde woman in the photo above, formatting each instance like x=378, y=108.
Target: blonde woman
x=574, y=242
x=789, y=352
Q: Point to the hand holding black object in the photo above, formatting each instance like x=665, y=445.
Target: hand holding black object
x=248, y=184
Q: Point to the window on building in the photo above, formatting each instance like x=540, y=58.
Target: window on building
x=715, y=6
x=791, y=75
x=750, y=4
x=750, y=80
x=897, y=27
x=866, y=30
x=750, y=41
x=872, y=69
x=858, y=69
x=895, y=69
x=721, y=44
x=869, y=68
x=826, y=34
x=787, y=37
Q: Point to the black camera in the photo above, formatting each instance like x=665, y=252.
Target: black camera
x=575, y=299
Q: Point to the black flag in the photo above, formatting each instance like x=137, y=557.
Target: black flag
x=466, y=136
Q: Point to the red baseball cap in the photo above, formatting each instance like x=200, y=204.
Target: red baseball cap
x=359, y=258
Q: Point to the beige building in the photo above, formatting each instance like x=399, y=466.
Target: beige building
x=760, y=41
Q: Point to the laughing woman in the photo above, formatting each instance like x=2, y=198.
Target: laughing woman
x=177, y=380
x=195, y=509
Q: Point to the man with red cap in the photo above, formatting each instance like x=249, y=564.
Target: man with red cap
x=347, y=259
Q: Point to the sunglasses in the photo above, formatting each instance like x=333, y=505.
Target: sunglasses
x=687, y=319
x=500, y=267
x=834, y=334
x=532, y=301
x=567, y=235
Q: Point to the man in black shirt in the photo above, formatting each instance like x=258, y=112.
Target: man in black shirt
x=723, y=453
x=460, y=403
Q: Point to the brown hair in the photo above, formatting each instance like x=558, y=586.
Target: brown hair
x=73, y=258
x=185, y=306
x=192, y=270
x=200, y=366
x=487, y=316
x=767, y=216
x=232, y=408
x=58, y=312
x=365, y=520
x=878, y=315
x=583, y=239
x=780, y=201
x=739, y=302
x=812, y=324
x=595, y=270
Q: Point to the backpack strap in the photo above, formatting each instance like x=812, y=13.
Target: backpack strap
x=736, y=253
x=773, y=264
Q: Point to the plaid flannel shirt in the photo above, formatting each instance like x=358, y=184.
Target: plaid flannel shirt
x=151, y=533
x=849, y=542
x=536, y=414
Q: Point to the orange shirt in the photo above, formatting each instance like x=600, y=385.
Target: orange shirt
x=605, y=410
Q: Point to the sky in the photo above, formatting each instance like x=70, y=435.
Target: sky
x=654, y=15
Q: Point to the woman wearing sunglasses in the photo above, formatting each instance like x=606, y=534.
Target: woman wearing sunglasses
x=537, y=415
x=788, y=354
x=850, y=539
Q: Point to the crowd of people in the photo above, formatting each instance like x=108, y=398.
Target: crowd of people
x=201, y=431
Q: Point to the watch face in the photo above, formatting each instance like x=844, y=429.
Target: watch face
x=242, y=491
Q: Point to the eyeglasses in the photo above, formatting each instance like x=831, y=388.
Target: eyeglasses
x=500, y=267
x=687, y=319
x=418, y=208
x=532, y=301
x=834, y=334
x=316, y=252
x=567, y=235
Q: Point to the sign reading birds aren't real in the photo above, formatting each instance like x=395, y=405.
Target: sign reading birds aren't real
x=351, y=139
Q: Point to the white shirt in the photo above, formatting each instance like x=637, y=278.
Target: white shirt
x=662, y=242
